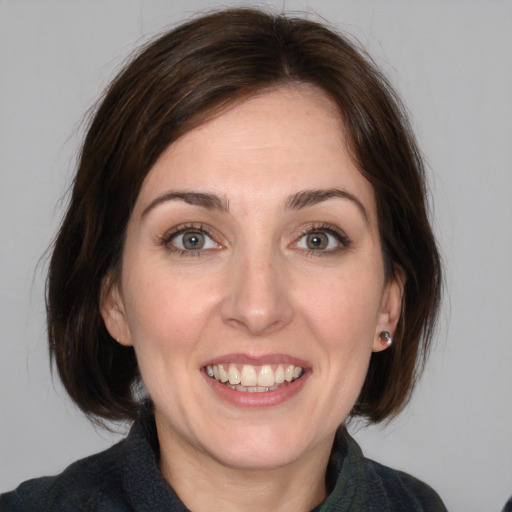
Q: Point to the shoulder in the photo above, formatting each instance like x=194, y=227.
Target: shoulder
x=401, y=490
x=373, y=486
x=87, y=485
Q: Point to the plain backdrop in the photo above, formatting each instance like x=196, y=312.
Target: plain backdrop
x=452, y=63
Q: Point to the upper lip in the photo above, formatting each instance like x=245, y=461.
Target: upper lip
x=260, y=360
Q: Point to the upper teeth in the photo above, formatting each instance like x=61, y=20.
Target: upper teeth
x=251, y=376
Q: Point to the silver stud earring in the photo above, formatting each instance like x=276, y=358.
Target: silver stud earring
x=385, y=338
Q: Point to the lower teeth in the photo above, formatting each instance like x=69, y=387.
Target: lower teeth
x=251, y=389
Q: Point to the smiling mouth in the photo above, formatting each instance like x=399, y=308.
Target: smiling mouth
x=254, y=379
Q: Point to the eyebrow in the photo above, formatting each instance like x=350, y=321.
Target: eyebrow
x=209, y=201
x=308, y=198
x=298, y=201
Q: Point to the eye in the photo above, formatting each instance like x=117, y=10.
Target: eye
x=190, y=240
x=317, y=241
x=322, y=240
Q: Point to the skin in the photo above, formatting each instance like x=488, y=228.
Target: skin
x=257, y=290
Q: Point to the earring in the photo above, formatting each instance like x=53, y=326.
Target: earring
x=385, y=338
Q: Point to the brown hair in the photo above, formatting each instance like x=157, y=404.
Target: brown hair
x=172, y=85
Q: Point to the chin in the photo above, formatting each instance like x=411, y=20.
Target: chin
x=255, y=456
x=260, y=448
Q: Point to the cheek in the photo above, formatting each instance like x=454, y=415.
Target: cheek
x=163, y=333
x=343, y=312
x=165, y=311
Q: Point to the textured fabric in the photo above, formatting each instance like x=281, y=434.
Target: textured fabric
x=126, y=478
x=508, y=506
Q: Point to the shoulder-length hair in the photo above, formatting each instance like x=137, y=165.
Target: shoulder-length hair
x=174, y=84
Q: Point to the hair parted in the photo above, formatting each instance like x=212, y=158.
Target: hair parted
x=174, y=84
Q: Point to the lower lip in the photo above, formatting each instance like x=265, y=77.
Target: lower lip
x=261, y=399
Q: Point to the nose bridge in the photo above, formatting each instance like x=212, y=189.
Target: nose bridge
x=257, y=300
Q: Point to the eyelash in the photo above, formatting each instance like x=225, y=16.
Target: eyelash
x=168, y=237
x=340, y=236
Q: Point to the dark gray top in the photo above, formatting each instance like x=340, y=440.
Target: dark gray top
x=126, y=478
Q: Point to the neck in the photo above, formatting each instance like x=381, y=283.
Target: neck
x=205, y=484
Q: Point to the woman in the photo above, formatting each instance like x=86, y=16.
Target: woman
x=247, y=242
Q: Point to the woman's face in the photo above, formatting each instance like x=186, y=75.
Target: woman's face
x=252, y=286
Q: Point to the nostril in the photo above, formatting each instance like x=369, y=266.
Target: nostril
x=256, y=298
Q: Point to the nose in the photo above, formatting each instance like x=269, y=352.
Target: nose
x=257, y=299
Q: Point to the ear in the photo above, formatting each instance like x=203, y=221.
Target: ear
x=391, y=307
x=113, y=312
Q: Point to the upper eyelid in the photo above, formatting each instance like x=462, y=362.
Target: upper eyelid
x=313, y=227
x=167, y=240
x=181, y=229
x=342, y=237
x=215, y=235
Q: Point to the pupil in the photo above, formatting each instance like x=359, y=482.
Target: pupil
x=193, y=240
x=317, y=241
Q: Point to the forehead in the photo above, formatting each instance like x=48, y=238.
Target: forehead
x=268, y=146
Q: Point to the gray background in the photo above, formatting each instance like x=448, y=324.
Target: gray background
x=452, y=63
